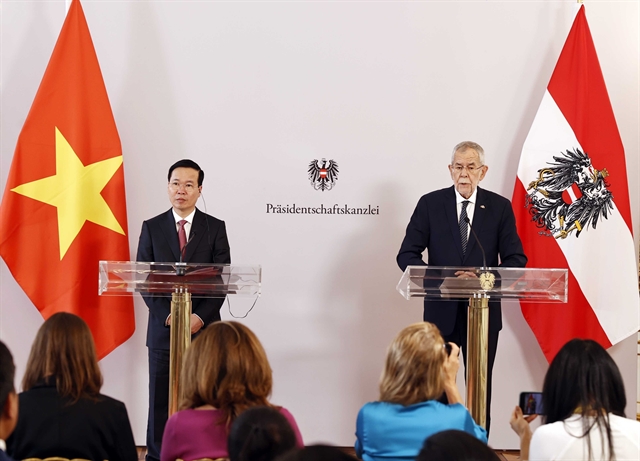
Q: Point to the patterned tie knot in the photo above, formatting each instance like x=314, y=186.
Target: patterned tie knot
x=464, y=205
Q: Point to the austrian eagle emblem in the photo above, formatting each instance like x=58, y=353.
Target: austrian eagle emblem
x=323, y=175
x=569, y=196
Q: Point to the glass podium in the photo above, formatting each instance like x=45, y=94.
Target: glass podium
x=181, y=282
x=478, y=285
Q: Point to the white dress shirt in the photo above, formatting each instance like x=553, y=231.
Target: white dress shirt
x=470, y=207
x=187, y=226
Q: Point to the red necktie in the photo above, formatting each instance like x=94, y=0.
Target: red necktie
x=182, y=236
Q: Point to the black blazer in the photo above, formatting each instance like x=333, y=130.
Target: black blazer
x=434, y=226
x=49, y=425
x=5, y=457
x=159, y=243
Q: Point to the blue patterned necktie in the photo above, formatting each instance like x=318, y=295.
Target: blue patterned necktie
x=464, y=226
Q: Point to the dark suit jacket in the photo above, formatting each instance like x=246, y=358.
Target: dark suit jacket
x=5, y=457
x=49, y=425
x=159, y=243
x=434, y=226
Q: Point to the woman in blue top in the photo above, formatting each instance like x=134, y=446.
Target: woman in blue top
x=417, y=371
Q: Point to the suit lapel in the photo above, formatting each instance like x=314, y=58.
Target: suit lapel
x=479, y=212
x=450, y=207
x=170, y=233
x=198, y=230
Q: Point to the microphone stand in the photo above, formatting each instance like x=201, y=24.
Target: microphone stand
x=487, y=279
x=478, y=342
x=181, y=267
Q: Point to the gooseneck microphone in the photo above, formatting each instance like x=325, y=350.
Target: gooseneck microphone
x=487, y=279
x=181, y=268
x=484, y=258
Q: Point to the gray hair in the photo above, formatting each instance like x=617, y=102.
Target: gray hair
x=464, y=145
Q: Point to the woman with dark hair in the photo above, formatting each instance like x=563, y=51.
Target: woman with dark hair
x=454, y=445
x=225, y=372
x=62, y=413
x=260, y=434
x=418, y=369
x=583, y=399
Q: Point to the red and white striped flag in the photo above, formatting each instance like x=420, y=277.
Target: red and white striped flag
x=572, y=204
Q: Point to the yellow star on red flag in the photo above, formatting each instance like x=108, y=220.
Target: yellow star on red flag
x=64, y=205
x=75, y=191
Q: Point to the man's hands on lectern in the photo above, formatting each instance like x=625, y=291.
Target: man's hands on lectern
x=196, y=323
x=465, y=274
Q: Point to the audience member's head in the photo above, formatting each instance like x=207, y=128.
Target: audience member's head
x=317, y=453
x=63, y=353
x=260, y=434
x=453, y=445
x=413, y=371
x=582, y=378
x=226, y=367
x=8, y=397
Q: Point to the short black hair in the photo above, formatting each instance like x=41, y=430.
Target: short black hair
x=186, y=163
x=260, y=434
x=7, y=374
x=454, y=445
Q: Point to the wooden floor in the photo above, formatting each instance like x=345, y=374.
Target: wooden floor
x=504, y=455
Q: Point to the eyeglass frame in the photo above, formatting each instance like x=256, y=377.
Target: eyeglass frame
x=471, y=169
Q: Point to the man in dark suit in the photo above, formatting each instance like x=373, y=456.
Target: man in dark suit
x=441, y=224
x=8, y=400
x=199, y=238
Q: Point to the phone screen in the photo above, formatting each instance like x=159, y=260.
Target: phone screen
x=531, y=403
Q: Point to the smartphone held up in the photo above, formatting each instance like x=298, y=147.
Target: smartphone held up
x=531, y=403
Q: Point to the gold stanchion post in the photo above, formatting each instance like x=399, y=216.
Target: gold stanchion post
x=179, y=342
x=477, y=354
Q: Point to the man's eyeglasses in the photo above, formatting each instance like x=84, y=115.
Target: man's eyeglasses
x=471, y=169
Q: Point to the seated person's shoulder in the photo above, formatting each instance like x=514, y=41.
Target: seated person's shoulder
x=626, y=424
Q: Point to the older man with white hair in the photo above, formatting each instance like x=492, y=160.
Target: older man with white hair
x=441, y=224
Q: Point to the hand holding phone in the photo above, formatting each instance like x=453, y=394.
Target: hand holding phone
x=531, y=403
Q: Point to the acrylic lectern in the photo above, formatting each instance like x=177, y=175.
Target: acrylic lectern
x=479, y=285
x=180, y=281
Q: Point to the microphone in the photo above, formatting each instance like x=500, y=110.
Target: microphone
x=487, y=279
x=181, y=266
x=484, y=258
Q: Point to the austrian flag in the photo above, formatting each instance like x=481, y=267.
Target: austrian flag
x=572, y=204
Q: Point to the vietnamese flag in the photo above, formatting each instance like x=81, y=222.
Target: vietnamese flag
x=64, y=207
x=571, y=201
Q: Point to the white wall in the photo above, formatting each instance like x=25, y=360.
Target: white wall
x=254, y=91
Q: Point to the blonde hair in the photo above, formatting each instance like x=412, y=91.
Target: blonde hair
x=63, y=350
x=226, y=367
x=413, y=371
